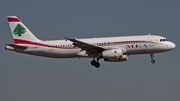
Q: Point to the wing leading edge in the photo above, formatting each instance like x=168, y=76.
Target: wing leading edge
x=84, y=45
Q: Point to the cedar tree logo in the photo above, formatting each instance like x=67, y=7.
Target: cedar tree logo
x=19, y=30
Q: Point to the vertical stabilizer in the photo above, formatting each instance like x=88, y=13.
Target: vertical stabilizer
x=19, y=31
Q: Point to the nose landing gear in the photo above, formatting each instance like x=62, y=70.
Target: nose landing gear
x=153, y=61
x=152, y=58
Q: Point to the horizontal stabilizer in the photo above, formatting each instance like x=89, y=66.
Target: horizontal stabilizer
x=17, y=46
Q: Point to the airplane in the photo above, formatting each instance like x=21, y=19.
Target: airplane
x=111, y=49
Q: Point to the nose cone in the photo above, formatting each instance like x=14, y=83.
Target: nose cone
x=172, y=45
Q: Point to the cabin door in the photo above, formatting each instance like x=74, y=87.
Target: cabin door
x=151, y=38
x=40, y=48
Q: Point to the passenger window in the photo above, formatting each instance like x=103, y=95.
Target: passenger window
x=160, y=40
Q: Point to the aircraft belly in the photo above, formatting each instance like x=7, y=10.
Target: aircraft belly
x=60, y=53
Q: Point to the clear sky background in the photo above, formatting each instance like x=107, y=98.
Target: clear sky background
x=31, y=78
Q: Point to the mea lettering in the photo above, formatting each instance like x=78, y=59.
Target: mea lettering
x=136, y=46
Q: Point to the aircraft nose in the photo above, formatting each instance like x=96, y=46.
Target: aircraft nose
x=172, y=45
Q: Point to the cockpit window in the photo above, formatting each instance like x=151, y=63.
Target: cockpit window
x=163, y=40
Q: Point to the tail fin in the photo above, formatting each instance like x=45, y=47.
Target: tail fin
x=19, y=30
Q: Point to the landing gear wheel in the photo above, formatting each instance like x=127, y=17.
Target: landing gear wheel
x=93, y=62
x=152, y=58
x=153, y=61
x=97, y=65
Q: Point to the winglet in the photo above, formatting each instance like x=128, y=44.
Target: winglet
x=66, y=38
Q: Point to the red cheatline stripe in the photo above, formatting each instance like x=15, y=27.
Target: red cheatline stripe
x=19, y=41
x=13, y=20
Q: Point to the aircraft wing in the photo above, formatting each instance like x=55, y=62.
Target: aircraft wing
x=17, y=46
x=84, y=45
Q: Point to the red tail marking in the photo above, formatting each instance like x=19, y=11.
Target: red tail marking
x=13, y=20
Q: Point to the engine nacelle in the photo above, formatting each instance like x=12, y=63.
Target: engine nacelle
x=112, y=54
x=115, y=55
x=121, y=59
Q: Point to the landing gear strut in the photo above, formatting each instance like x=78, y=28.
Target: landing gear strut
x=94, y=63
x=152, y=58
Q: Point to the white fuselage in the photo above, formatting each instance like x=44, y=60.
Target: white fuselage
x=111, y=49
x=143, y=44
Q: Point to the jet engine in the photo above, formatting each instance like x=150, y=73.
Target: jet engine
x=121, y=59
x=114, y=55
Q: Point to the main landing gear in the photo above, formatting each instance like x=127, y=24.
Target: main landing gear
x=94, y=63
x=152, y=58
